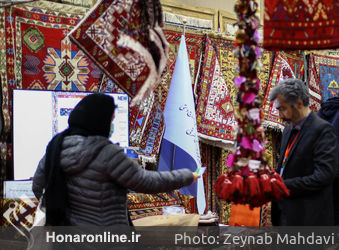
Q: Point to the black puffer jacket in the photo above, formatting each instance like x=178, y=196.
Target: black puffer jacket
x=98, y=176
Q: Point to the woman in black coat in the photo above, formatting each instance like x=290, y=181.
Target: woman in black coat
x=86, y=177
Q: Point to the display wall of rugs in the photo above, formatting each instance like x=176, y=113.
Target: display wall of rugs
x=217, y=93
x=36, y=54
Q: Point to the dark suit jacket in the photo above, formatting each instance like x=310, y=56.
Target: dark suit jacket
x=309, y=173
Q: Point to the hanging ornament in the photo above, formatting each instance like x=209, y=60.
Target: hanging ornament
x=251, y=180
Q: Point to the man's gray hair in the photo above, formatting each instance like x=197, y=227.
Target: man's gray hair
x=292, y=90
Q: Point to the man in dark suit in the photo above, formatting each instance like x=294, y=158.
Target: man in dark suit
x=307, y=159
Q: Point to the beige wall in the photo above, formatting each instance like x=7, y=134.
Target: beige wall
x=220, y=11
x=227, y=5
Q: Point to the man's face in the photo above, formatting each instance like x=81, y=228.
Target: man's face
x=287, y=112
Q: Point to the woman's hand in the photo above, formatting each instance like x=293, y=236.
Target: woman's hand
x=195, y=176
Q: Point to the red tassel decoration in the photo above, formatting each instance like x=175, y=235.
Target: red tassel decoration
x=218, y=184
x=279, y=190
x=265, y=182
x=277, y=176
x=226, y=189
x=252, y=185
x=238, y=184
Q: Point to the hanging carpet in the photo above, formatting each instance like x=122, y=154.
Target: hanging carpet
x=125, y=40
x=229, y=66
x=215, y=112
x=327, y=69
x=301, y=24
x=280, y=71
x=314, y=87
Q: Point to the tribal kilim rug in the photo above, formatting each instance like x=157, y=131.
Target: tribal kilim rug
x=301, y=24
x=126, y=43
x=215, y=113
x=314, y=86
x=281, y=70
x=327, y=68
x=228, y=64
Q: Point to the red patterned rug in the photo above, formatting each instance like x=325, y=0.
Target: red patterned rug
x=296, y=61
x=146, y=124
x=327, y=68
x=142, y=205
x=36, y=54
x=281, y=70
x=301, y=24
x=314, y=87
x=215, y=112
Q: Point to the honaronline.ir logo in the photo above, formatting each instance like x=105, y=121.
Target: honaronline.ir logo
x=20, y=215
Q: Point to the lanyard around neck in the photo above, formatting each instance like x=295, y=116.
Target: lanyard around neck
x=289, y=147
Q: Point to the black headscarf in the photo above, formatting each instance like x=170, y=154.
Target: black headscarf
x=91, y=116
x=329, y=108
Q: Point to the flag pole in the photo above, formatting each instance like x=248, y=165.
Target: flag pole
x=174, y=146
x=184, y=21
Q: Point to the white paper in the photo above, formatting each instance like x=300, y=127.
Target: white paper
x=18, y=189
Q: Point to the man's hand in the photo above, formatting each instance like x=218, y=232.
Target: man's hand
x=195, y=176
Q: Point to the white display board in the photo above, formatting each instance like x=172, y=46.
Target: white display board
x=39, y=115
